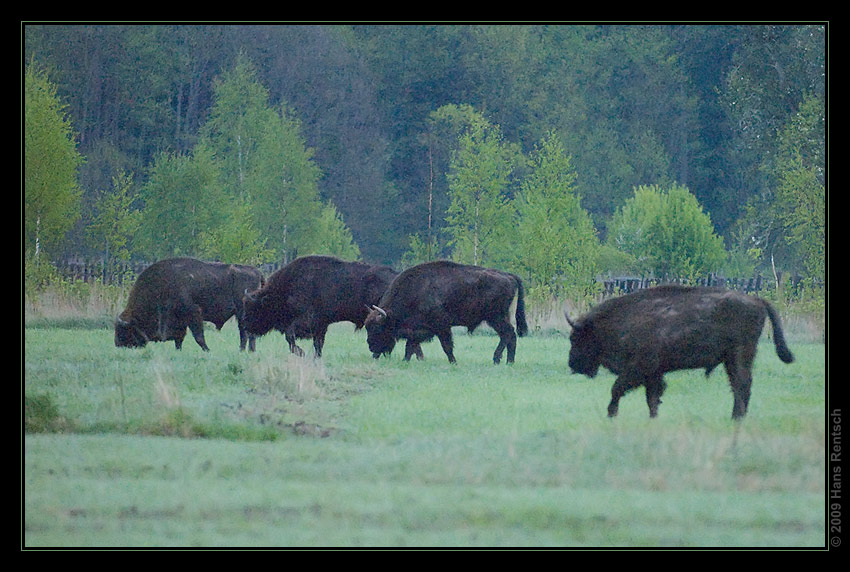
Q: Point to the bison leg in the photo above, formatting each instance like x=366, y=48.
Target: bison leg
x=196, y=325
x=654, y=390
x=622, y=385
x=290, y=338
x=739, y=368
x=413, y=348
x=446, y=341
x=252, y=342
x=245, y=339
x=319, y=338
x=507, y=338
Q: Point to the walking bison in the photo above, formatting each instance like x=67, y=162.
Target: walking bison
x=643, y=335
x=304, y=297
x=178, y=293
x=430, y=298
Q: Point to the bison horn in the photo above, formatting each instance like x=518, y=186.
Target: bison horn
x=380, y=311
x=250, y=297
x=570, y=322
x=121, y=322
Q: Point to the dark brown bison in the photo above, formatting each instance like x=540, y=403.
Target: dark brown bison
x=428, y=299
x=307, y=295
x=178, y=293
x=643, y=335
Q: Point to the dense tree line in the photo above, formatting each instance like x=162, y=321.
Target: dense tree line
x=556, y=150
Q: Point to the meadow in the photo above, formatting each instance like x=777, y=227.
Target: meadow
x=158, y=448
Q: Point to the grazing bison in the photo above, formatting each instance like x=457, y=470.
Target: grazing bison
x=173, y=294
x=643, y=335
x=304, y=297
x=430, y=298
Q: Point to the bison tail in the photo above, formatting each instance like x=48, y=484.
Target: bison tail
x=521, y=325
x=778, y=337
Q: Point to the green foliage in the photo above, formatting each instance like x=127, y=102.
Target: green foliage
x=800, y=190
x=556, y=244
x=38, y=274
x=421, y=250
x=267, y=166
x=785, y=223
x=183, y=202
x=723, y=109
x=479, y=218
x=115, y=222
x=801, y=199
x=236, y=240
x=52, y=197
x=333, y=237
x=667, y=233
x=41, y=415
x=236, y=123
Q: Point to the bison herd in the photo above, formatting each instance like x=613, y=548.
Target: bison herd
x=639, y=337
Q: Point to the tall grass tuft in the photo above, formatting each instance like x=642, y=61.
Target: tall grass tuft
x=74, y=304
x=41, y=415
x=287, y=377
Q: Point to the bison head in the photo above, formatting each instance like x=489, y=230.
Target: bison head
x=585, y=349
x=128, y=336
x=258, y=317
x=379, y=334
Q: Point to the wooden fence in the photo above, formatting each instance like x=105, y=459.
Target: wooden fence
x=94, y=269
x=626, y=284
x=90, y=270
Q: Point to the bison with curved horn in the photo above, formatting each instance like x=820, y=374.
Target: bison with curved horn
x=178, y=293
x=428, y=299
x=643, y=335
x=304, y=297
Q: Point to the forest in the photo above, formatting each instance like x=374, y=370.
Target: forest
x=561, y=152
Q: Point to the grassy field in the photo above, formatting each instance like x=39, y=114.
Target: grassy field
x=160, y=448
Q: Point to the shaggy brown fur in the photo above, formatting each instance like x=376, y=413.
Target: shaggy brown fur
x=643, y=335
x=307, y=295
x=178, y=293
x=430, y=298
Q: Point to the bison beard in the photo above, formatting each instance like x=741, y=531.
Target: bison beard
x=178, y=293
x=641, y=336
x=428, y=299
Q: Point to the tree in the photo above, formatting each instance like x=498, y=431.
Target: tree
x=236, y=239
x=801, y=199
x=333, y=237
x=480, y=217
x=785, y=223
x=557, y=244
x=667, y=233
x=235, y=123
x=183, y=200
x=115, y=222
x=52, y=194
x=266, y=166
x=800, y=191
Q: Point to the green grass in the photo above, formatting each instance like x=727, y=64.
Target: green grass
x=155, y=447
